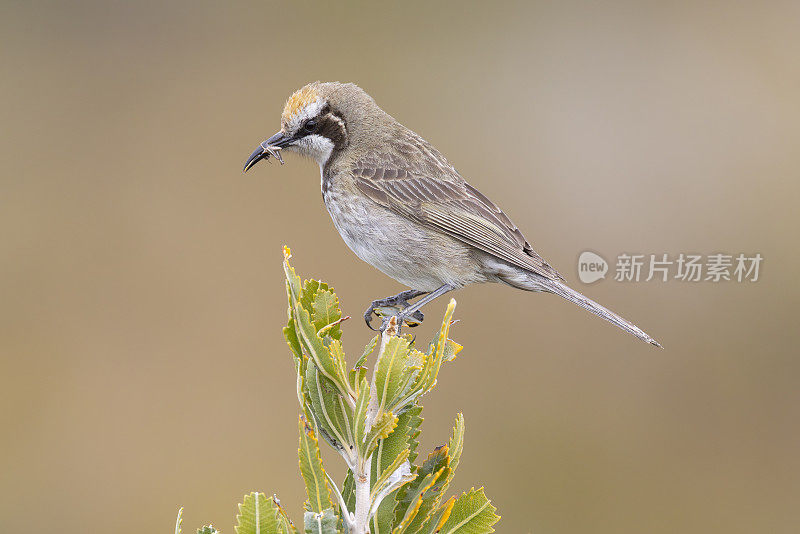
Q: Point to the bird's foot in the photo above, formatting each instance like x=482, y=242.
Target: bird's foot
x=394, y=306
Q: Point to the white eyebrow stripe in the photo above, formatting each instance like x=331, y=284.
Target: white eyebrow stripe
x=311, y=110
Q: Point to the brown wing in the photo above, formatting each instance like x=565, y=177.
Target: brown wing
x=415, y=181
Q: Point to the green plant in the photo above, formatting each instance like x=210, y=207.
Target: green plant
x=373, y=424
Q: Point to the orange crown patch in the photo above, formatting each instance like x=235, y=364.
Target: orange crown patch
x=299, y=100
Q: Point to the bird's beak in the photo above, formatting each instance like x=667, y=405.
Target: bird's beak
x=270, y=147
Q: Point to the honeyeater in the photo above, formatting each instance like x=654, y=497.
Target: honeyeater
x=404, y=209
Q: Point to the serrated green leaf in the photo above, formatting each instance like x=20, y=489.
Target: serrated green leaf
x=207, y=529
x=321, y=523
x=392, y=373
x=456, y=444
x=429, y=501
x=360, y=414
x=381, y=428
x=355, y=376
x=430, y=372
x=318, y=352
x=327, y=313
x=303, y=394
x=417, y=498
x=319, y=494
x=337, y=353
x=257, y=515
x=179, y=521
x=330, y=411
x=454, y=449
x=472, y=513
x=290, y=330
x=437, y=462
x=292, y=279
x=411, y=387
x=369, y=349
x=437, y=519
x=308, y=293
x=410, y=421
x=403, y=437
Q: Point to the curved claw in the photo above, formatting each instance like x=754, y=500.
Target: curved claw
x=368, y=318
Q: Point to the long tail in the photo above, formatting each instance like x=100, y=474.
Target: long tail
x=562, y=290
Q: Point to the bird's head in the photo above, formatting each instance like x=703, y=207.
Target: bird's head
x=318, y=121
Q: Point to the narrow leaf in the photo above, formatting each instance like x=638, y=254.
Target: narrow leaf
x=360, y=418
x=381, y=428
x=437, y=353
x=331, y=414
x=455, y=446
x=179, y=521
x=319, y=494
x=437, y=462
x=414, y=500
x=369, y=349
x=349, y=491
x=285, y=525
x=439, y=517
x=355, y=376
x=292, y=279
x=290, y=330
x=343, y=508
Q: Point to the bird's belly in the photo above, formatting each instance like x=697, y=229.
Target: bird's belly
x=410, y=253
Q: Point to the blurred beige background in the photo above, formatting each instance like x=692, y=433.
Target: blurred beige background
x=141, y=292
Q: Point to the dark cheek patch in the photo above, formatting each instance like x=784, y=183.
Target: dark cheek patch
x=332, y=127
x=333, y=131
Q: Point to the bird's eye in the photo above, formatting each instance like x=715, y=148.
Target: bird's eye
x=310, y=126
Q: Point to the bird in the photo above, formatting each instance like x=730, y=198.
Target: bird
x=401, y=207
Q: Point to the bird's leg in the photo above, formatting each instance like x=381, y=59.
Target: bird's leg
x=413, y=309
x=401, y=299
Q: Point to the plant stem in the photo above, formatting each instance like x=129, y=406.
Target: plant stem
x=364, y=465
x=363, y=502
